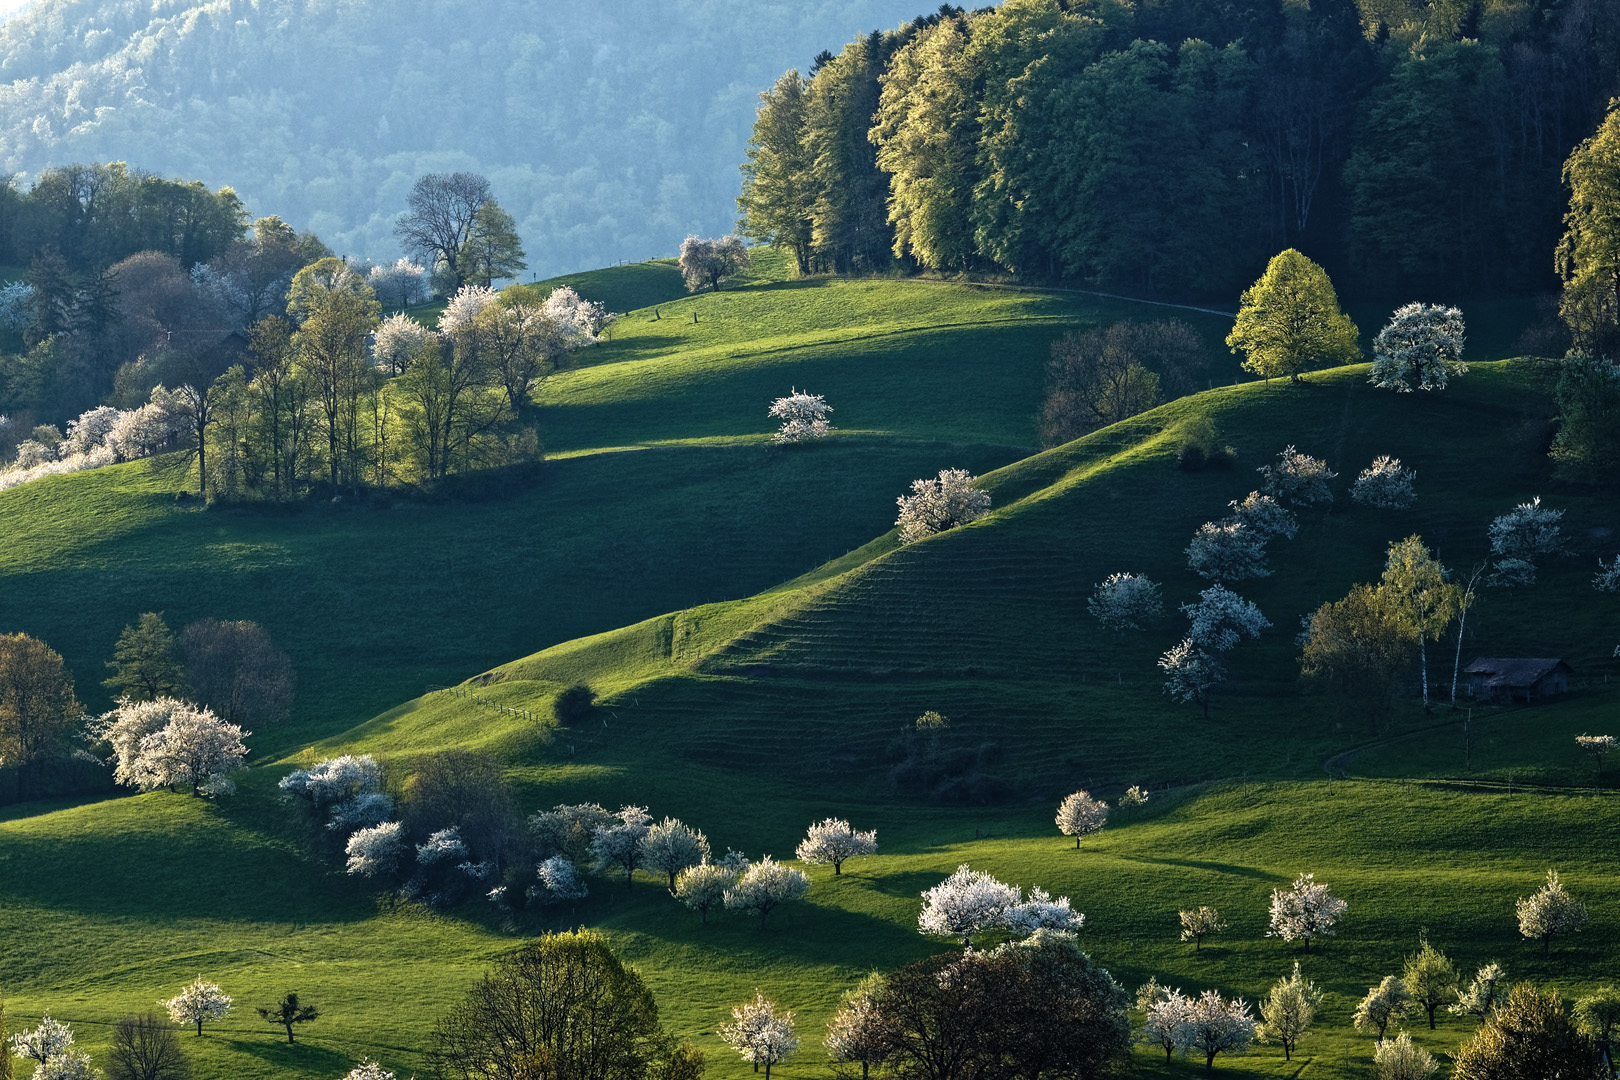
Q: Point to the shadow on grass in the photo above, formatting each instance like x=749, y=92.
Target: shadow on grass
x=1203, y=864
x=301, y=1058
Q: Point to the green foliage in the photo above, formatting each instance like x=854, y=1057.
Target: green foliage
x=1431, y=980
x=574, y=704
x=777, y=197
x=1290, y=321
x=1587, y=446
x=1589, y=252
x=144, y=662
x=493, y=250
x=1528, y=1037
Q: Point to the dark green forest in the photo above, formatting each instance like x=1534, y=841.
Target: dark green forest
x=1173, y=146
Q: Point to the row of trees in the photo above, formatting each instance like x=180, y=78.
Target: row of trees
x=1034, y=137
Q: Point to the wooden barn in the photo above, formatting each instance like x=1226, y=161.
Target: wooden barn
x=1502, y=679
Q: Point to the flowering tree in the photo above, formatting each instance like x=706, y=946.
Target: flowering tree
x=703, y=888
x=1608, y=576
x=1129, y=602
x=1385, y=1004
x=936, y=505
x=376, y=852
x=1041, y=912
x=1227, y=550
x=399, y=284
x=1482, y=994
x=1401, y=1059
x=1431, y=980
x=1550, y=911
x=89, y=431
x=1167, y=1014
x=803, y=416
x=966, y=903
x=444, y=846
x=1384, y=485
x=1420, y=349
x=1297, y=478
x=335, y=780
x=1305, y=911
x=760, y=1034
x=1288, y=1011
x=617, y=846
x=144, y=431
x=1213, y=1025
x=765, y=886
x=167, y=742
x=708, y=262
x=398, y=340
x=569, y=829
x=858, y=1032
x=1521, y=536
x=16, y=305
x=368, y=1070
x=361, y=812
x=52, y=1039
x=1264, y=516
x=200, y=1001
x=832, y=841
x=559, y=882
x=1134, y=796
x=1191, y=672
x=1599, y=746
x=1080, y=816
x=670, y=847
x=577, y=322
x=1200, y=923
x=1221, y=618
x=463, y=308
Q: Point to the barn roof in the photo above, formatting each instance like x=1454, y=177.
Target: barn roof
x=1515, y=672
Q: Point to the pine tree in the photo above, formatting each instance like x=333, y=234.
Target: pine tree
x=144, y=664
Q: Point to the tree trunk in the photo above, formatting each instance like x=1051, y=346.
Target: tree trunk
x=1456, y=665
x=1431, y=1009
x=199, y=1027
x=838, y=864
x=289, y=1035
x=1423, y=651
x=1209, y=1055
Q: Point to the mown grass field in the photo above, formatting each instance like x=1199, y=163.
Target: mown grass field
x=760, y=653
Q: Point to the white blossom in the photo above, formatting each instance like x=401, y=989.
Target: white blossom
x=936, y=505
x=1550, y=911
x=35, y=461
x=1221, y=618
x=368, y=1070
x=832, y=841
x=1420, y=349
x=1297, y=478
x=703, y=888
x=15, y=301
x=50, y=1039
x=1041, y=912
x=1191, y=671
x=1167, y=1015
x=966, y=903
x=1213, y=1025
x=400, y=283
x=1305, y=911
x=1199, y=923
x=74, y=1064
x=1482, y=994
x=618, y=846
x=1385, y=485
x=465, y=306
x=397, y=341
x=1385, y=1004
x=166, y=742
x=765, y=886
x=126, y=725
x=1264, y=516
x=1227, y=550
x=361, y=812
x=334, y=780
x=376, y=852
x=1401, y=1059
x=200, y=1001
x=89, y=431
x=559, y=882
x=671, y=846
x=144, y=431
x=1126, y=602
x=442, y=846
x=1608, y=576
x=576, y=321
x=1079, y=815
x=1134, y=796
x=760, y=1034
x=803, y=416
x=708, y=262
x=1519, y=537
x=31, y=453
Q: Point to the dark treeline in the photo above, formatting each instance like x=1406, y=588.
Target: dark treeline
x=1174, y=145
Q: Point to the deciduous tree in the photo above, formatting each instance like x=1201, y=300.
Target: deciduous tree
x=1401, y=1059
x=1549, y=912
x=1288, y=1011
x=197, y=1003
x=1124, y=602
x=1420, y=349
x=671, y=846
x=1385, y=1004
x=234, y=668
x=1290, y=321
x=1520, y=537
x=38, y=709
x=1297, y=478
x=145, y=1048
x=760, y=1033
x=439, y=216
x=1079, y=815
x=1529, y=1036
x=1482, y=994
x=706, y=263
x=492, y=250
x=936, y=505
x=832, y=840
x=858, y=1032
x=1431, y=980
x=1588, y=257
x=765, y=886
x=617, y=845
x=803, y=416
x=1216, y=1025
x=966, y=903
x=1306, y=910
x=1200, y=923
x=1385, y=485
x=703, y=888
x=288, y=1012
x=1092, y=380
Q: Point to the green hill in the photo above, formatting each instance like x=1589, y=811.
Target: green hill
x=751, y=685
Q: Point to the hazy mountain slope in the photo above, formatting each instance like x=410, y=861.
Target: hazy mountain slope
x=610, y=131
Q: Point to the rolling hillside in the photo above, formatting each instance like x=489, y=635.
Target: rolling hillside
x=752, y=685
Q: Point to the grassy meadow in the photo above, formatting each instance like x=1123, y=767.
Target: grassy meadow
x=761, y=643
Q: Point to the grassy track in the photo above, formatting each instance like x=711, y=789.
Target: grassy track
x=760, y=653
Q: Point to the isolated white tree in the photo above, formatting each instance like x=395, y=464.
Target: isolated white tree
x=51, y=1039
x=1401, y=1059
x=944, y=503
x=670, y=847
x=1134, y=796
x=703, y=888
x=1127, y=602
x=1288, y=1011
x=1420, y=349
x=1598, y=746
x=832, y=840
x=1227, y=550
x=1297, y=478
x=559, y=882
x=966, y=903
x=166, y=742
x=200, y=1001
x=1079, y=815
x=1550, y=911
x=376, y=852
x=1191, y=672
x=1385, y=1004
x=761, y=1034
x=1200, y=923
x=618, y=846
x=1305, y=911
x=766, y=886
x=1482, y=994
x=398, y=340
x=1264, y=516
x=1385, y=485
x=803, y=416
x=1221, y=618
x=709, y=262
x=127, y=724
x=1041, y=912
x=1521, y=536
x=1214, y=1025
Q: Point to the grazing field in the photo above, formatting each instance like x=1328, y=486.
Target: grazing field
x=761, y=643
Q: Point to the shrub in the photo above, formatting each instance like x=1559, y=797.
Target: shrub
x=574, y=704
